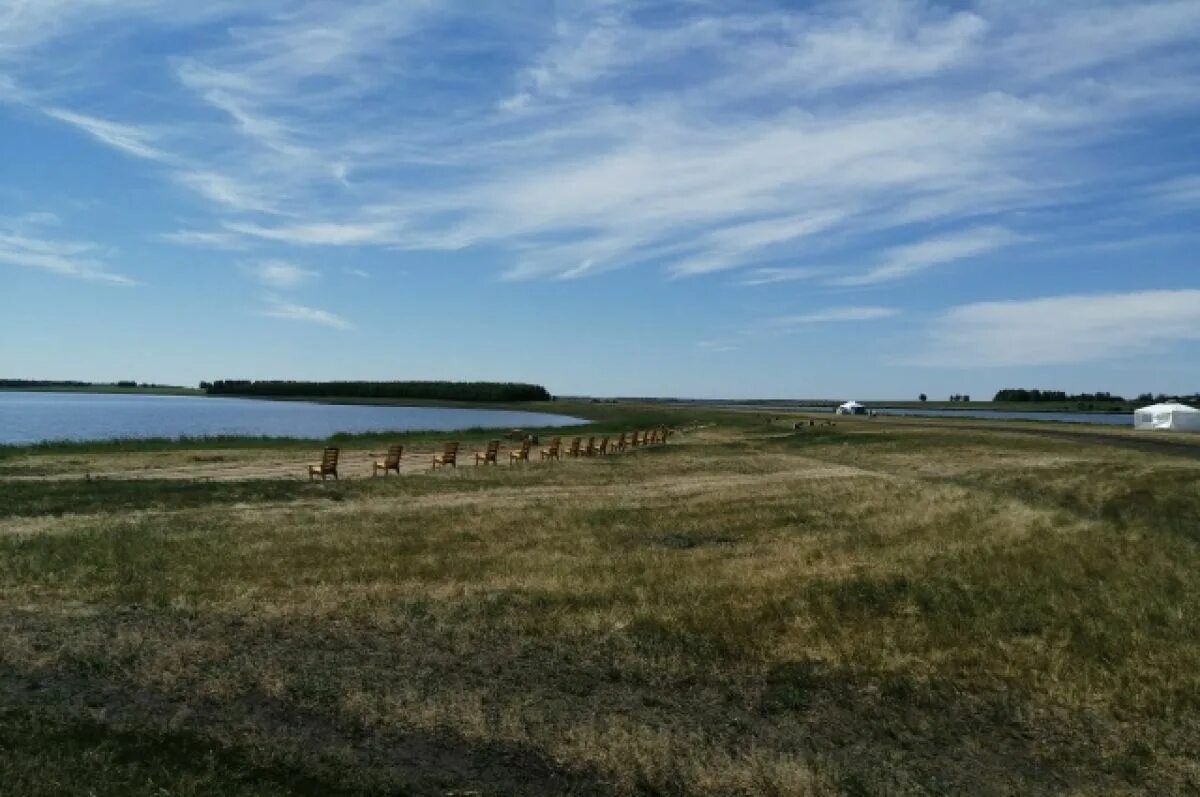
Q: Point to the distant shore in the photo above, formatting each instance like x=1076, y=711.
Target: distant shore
x=141, y=391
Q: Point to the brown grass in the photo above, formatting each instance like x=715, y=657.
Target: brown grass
x=869, y=609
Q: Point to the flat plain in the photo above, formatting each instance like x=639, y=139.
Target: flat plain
x=877, y=607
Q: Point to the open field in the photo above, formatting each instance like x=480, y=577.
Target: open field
x=878, y=607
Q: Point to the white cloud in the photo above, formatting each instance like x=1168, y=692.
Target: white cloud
x=224, y=190
x=129, y=139
x=1183, y=190
x=280, y=274
x=1062, y=330
x=278, y=308
x=321, y=233
x=909, y=259
x=598, y=137
x=770, y=276
x=68, y=259
x=826, y=316
x=212, y=240
x=716, y=346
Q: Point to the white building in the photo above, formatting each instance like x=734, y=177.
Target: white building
x=1170, y=416
x=851, y=408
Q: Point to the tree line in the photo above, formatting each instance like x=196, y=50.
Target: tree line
x=445, y=391
x=31, y=383
x=1023, y=394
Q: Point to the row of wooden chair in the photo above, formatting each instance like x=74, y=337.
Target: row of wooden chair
x=329, y=463
x=607, y=444
x=491, y=453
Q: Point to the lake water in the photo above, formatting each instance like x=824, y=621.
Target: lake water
x=34, y=417
x=1103, y=419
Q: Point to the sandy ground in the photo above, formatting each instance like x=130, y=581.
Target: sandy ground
x=238, y=464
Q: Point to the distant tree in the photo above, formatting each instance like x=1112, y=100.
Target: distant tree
x=450, y=391
x=923, y=397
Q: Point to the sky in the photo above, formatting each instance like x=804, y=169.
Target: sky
x=693, y=198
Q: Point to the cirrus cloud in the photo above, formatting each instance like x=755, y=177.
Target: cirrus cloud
x=1061, y=330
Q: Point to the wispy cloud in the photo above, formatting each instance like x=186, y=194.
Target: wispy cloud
x=1061, y=330
x=599, y=138
x=129, y=139
x=826, y=316
x=1183, y=190
x=770, y=276
x=208, y=239
x=65, y=258
x=280, y=274
x=716, y=346
x=289, y=311
x=909, y=259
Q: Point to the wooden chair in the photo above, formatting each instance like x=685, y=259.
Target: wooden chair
x=449, y=456
x=328, y=466
x=552, y=451
x=663, y=434
x=521, y=454
x=590, y=449
x=488, y=456
x=603, y=449
x=654, y=437
x=390, y=462
x=573, y=451
x=633, y=440
x=621, y=443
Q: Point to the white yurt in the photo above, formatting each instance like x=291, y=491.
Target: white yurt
x=851, y=408
x=1170, y=416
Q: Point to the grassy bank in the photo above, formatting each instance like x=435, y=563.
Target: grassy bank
x=879, y=607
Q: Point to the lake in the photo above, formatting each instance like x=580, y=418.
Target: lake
x=32, y=417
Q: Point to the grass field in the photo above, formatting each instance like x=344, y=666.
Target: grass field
x=877, y=607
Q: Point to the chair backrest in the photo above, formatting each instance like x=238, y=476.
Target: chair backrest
x=493, y=447
x=591, y=445
x=555, y=445
x=574, y=449
x=450, y=452
x=393, y=455
x=604, y=445
x=633, y=440
x=621, y=441
x=525, y=444
x=329, y=459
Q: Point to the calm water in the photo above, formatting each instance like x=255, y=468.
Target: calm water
x=34, y=417
x=1104, y=419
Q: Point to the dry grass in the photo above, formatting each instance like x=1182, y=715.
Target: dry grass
x=873, y=609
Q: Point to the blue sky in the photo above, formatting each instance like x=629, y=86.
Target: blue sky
x=752, y=199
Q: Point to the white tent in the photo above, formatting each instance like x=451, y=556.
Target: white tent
x=851, y=408
x=1170, y=416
